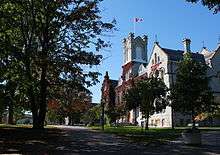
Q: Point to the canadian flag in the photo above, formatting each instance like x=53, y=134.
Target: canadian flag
x=138, y=19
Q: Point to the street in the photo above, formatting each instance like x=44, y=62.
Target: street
x=81, y=140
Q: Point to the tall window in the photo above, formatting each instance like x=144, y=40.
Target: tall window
x=155, y=57
x=138, y=53
x=126, y=55
x=158, y=59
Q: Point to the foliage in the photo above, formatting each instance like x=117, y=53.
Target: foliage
x=191, y=92
x=69, y=103
x=151, y=94
x=2, y=103
x=11, y=101
x=92, y=116
x=211, y=4
x=45, y=45
x=109, y=106
x=132, y=100
x=55, y=114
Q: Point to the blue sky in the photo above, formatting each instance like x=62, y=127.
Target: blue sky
x=170, y=20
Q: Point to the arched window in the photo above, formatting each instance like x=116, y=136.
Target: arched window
x=155, y=57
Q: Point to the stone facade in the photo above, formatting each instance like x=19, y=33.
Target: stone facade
x=163, y=62
x=213, y=62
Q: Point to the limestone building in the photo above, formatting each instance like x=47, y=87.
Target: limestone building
x=162, y=61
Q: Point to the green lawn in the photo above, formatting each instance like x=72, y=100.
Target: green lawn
x=136, y=134
x=22, y=126
x=156, y=135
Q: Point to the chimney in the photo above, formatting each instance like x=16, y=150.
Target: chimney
x=186, y=44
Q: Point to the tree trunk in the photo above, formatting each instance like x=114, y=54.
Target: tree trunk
x=135, y=116
x=34, y=114
x=43, y=101
x=11, y=113
x=146, y=124
x=34, y=108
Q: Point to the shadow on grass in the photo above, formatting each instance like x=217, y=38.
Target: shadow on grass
x=136, y=134
x=18, y=139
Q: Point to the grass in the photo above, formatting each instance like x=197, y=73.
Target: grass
x=136, y=134
x=22, y=126
x=153, y=135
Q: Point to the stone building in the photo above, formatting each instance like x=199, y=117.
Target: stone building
x=163, y=62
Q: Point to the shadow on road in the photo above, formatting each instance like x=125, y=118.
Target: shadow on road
x=79, y=140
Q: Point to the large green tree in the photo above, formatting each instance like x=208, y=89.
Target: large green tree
x=150, y=94
x=211, y=4
x=191, y=93
x=92, y=116
x=46, y=43
x=132, y=100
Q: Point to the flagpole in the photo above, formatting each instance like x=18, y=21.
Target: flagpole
x=134, y=25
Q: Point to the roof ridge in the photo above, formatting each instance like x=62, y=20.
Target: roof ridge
x=172, y=49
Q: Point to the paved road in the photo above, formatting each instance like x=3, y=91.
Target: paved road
x=84, y=141
x=80, y=140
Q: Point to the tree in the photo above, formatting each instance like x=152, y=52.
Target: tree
x=191, y=93
x=132, y=100
x=151, y=94
x=92, y=116
x=109, y=106
x=56, y=113
x=2, y=103
x=211, y=4
x=77, y=107
x=45, y=44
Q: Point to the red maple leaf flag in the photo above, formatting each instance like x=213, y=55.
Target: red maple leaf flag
x=138, y=20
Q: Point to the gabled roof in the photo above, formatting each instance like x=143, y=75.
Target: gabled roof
x=174, y=55
x=177, y=55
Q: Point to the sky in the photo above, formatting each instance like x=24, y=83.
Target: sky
x=170, y=20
